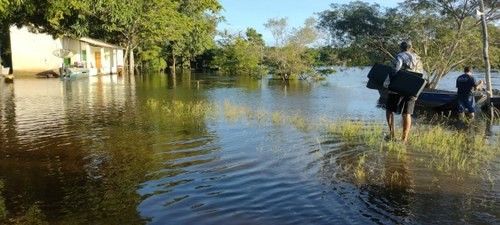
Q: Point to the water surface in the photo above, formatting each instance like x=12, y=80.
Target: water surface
x=103, y=151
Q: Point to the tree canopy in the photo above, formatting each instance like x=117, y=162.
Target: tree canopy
x=290, y=57
x=443, y=32
x=240, y=54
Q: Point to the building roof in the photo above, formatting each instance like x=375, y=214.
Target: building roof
x=99, y=43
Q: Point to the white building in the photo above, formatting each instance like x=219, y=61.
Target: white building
x=40, y=54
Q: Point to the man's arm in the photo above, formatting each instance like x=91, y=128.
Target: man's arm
x=396, y=66
x=397, y=63
x=479, y=85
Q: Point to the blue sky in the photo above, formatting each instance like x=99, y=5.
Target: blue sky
x=241, y=14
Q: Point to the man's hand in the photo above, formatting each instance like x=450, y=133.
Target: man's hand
x=479, y=85
x=387, y=82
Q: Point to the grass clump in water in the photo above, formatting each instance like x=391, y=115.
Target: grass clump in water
x=453, y=150
x=445, y=148
x=185, y=111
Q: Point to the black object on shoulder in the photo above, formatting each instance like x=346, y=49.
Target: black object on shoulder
x=408, y=83
x=377, y=75
x=404, y=82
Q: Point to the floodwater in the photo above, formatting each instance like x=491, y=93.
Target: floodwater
x=106, y=150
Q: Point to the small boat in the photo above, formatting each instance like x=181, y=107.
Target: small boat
x=441, y=100
x=495, y=100
x=74, y=73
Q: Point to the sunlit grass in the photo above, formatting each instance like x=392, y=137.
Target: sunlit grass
x=359, y=171
x=449, y=150
x=300, y=122
x=276, y=117
x=453, y=150
x=233, y=112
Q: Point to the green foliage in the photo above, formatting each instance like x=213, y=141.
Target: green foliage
x=151, y=60
x=327, y=56
x=254, y=37
x=54, y=17
x=4, y=4
x=361, y=33
x=291, y=58
x=195, y=30
x=443, y=33
x=239, y=54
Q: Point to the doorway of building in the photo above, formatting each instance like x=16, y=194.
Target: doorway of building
x=98, y=63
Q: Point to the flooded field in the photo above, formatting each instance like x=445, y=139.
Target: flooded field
x=233, y=150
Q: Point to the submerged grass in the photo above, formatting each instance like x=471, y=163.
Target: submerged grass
x=450, y=150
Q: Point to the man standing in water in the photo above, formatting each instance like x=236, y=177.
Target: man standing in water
x=465, y=92
x=397, y=103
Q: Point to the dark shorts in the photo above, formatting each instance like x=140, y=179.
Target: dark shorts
x=400, y=104
x=465, y=103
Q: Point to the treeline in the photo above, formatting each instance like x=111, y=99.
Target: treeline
x=171, y=33
x=294, y=55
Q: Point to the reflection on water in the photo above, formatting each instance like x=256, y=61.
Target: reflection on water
x=208, y=150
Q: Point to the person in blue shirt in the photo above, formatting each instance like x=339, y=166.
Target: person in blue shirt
x=466, y=83
x=397, y=103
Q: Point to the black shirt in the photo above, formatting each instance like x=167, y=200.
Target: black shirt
x=465, y=84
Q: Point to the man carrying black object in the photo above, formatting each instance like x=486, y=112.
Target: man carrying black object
x=465, y=92
x=397, y=103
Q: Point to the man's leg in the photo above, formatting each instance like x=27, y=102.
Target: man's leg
x=390, y=121
x=470, y=106
x=406, y=126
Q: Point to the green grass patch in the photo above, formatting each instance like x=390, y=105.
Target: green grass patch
x=446, y=149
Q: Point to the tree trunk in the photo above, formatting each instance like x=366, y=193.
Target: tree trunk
x=486, y=58
x=131, y=62
x=485, y=50
x=173, y=66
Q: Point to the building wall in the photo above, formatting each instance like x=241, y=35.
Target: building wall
x=32, y=53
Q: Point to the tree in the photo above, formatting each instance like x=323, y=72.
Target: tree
x=447, y=35
x=4, y=4
x=442, y=32
x=195, y=30
x=135, y=24
x=240, y=54
x=362, y=33
x=254, y=37
x=290, y=57
x=278, y=28
x=54, y=17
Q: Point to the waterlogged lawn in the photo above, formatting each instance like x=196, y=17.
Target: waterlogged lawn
x=440, y=147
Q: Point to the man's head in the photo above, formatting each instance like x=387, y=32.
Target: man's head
x=468, y=69
x=405, y=45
